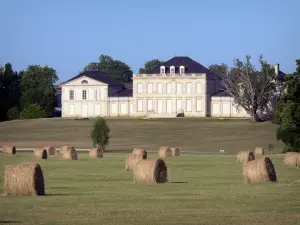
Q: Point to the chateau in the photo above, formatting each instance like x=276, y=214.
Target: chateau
x=179, y=87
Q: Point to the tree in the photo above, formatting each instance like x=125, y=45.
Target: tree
x=150, y=65
x=287, y=113
x=100, y=134
x=38, y=88
x=221, y=69
x=114, y=68
x=9, y=90
x=33, y=111
x=251, y=89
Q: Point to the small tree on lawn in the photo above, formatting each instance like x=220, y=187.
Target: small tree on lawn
x=100, y=134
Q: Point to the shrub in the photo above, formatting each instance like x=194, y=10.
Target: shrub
x=100, y=134
x=33, y=111
x=13, y=113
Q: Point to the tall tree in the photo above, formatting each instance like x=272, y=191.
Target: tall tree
x=114, y=68
x=150, y=65
x=221, y=69
x=9, y=90
x=38, y=87
x=287, y=113
x=251, y=89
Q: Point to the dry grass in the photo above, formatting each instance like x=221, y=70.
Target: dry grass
x=292, y=159
x=176, y=151
x=140, y=151
x=96, y=153
x=40, y=154
x=151, y=171
x=165, y=151
x=132, y=160
x=68, y=153
x=259, y=170
x=259, y=151
x=7, y=149
x=24, y=179
x=245, y=156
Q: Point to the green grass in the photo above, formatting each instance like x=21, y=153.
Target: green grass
x=99, y=191
x=193, y=135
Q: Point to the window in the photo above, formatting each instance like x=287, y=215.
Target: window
x=182, y=70
x=162, y=70
x=84, y=82
x=188, y=105
x=84, y=95
x=140, y=88
x=139, y=105
x=189, y=88
x=169, y=88
x=199, y=87
x=149, y=105
x=95, y=94
x=199, y=105
x=172, y=69
x=160, y=88
x=71, y=94
x=149, y=88
x=178, y=87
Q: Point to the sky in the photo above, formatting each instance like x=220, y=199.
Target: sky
x=68, y=34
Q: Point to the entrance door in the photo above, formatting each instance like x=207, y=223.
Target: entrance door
x=169, y=106
x=159, y=106
x=178, y=105
x=97, y=110
x=84, y=110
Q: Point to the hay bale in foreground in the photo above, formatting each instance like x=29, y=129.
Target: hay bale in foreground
x=259, y=170
x=259, y=151
x=292, y=159
x=24, y=179
x=151, y=171
x=176, y=151
x=245, y=157
x=50, y=150
x=68, y=153
x=132, y=160
x=96, y=153
x=165, y=151
x=140, y=151
x=7, y=149
x=40, y=154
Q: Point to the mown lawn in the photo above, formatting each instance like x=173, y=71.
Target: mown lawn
x=192, y=135
x=204, y=189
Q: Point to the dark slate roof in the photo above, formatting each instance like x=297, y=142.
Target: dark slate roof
x=125, y=92
x=281, y=75
x=221, y=94
x=99, y=76
x=190, y=65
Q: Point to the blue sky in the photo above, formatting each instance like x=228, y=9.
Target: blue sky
x=67, y=35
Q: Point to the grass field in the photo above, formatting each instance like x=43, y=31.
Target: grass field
x=195, y=135
x=205, y=190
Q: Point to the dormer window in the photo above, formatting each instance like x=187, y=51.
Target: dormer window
x=172, y=69
x=84, y=82
x=162, y=70
x=182, y=70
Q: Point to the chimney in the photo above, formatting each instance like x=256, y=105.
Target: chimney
x=276, y=68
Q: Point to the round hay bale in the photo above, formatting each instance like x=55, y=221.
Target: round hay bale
x=50, y=150
x=245, y=157
x=291, y=159
x=68, y=153
x=165, y=151
x=40, y=154
x=132, y=160
x=151, y=171
x=7, y=149
x=176, y=151
x=96, y=153
x=24, y=179
x=259, y=151
x=259, y=170
x=140, y=151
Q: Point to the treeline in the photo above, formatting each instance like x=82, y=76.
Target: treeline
x=27, y=94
